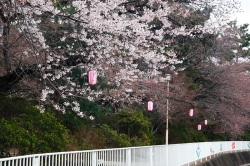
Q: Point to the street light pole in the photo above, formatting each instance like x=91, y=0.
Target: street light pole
x=168, y=79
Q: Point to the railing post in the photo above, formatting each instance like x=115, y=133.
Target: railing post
x=94, y=158
x=151, y=156
x=36, y=161
x=179, y=154
x=189, y=153
x=241, y=145
x=128, y=157
x=167, y=155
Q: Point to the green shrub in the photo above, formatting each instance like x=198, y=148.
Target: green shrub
x=32, y=132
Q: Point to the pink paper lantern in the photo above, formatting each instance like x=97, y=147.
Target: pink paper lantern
x=205, y=122
x=92, y=77
x=150, y=106
x=191, y=112
x=199, y=127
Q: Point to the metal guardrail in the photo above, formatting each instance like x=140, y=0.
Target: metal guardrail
x=159, y=155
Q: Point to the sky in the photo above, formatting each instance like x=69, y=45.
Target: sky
x=243, y=17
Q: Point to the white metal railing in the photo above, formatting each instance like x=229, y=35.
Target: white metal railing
x=159, y=155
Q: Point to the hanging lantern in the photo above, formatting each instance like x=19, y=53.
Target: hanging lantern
x=191, y=112
x=150, y=106
x=92, y=77
x=205, y=122
x=199, y=127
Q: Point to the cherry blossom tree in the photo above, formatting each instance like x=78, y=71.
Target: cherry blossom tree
x=216, y=86
x=129, y=44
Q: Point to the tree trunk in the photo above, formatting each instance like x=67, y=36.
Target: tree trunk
x=6, y=51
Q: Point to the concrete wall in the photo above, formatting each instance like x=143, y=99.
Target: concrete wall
x=228, y=159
